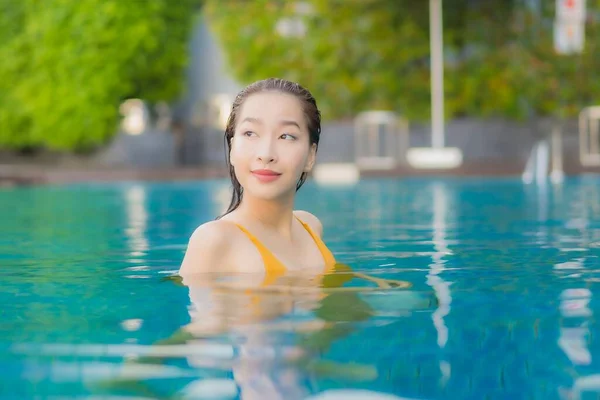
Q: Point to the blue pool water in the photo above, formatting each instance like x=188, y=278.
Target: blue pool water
x=503, y=303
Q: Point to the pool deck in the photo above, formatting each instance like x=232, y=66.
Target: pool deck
x=41, y=174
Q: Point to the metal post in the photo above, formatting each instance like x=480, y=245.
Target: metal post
x=541, y=162
x=557, y=172
x=373, y=129
x=583, y=136
x=437, y=73
x=594, y=143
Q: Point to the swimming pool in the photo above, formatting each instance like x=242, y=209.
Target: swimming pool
x=503, y=303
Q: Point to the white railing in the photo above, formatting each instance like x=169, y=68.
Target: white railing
x=589, y=136
x=536, y=169
x=381, y=140
x=545, y=159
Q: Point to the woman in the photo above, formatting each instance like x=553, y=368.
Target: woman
x=272, y=137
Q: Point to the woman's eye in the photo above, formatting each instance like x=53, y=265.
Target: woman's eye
x=287, y=136
x=248, y=133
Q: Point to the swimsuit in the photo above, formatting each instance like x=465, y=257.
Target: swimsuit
x=275, y=268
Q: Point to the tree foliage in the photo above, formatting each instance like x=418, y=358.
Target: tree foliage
x=366, y=54
x=67, y=65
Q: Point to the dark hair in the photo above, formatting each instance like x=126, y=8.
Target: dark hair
x=311, y=112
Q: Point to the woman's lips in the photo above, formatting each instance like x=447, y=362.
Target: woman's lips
x=265, y=175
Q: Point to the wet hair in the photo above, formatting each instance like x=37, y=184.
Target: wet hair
x=311, y=112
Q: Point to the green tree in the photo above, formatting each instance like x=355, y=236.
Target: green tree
x=67, y=65
x=365, y=54
x=336, y=58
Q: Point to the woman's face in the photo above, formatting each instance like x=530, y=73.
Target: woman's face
x=270, y=148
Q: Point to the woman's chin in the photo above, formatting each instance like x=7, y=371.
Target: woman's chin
x=269, y=193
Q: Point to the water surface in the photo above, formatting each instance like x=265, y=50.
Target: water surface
x=502, y=304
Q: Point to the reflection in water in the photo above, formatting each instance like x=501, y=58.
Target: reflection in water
x=137, y=218
x=261, y=341
x=258, y=319
x=440, y=286
x=574, y=305
x=574, y=337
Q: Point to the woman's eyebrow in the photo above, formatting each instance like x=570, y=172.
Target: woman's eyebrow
x=285, y=122
x=251, y=119
x=290, y=123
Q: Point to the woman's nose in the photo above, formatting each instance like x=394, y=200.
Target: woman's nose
x=266, y=151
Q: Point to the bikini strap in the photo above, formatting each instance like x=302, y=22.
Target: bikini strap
x=272, y=264
x=274, y=269
x=252, y=238
x=325, y=252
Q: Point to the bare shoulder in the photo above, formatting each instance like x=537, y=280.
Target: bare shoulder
x=311, y=220
x=208, y=248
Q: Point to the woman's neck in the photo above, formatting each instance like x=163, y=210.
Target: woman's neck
x=276, y=215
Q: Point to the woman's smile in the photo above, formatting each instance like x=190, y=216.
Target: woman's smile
x=265, y=175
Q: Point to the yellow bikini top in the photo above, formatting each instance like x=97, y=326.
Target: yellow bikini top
x=275, y=268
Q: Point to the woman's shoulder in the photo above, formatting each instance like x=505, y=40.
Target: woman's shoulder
x=311, y=220
x=216, y=232
x=208, y=245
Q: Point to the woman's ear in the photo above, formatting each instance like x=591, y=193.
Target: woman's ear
x=312, y=157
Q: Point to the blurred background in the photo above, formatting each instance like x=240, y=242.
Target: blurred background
x=116, y=89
